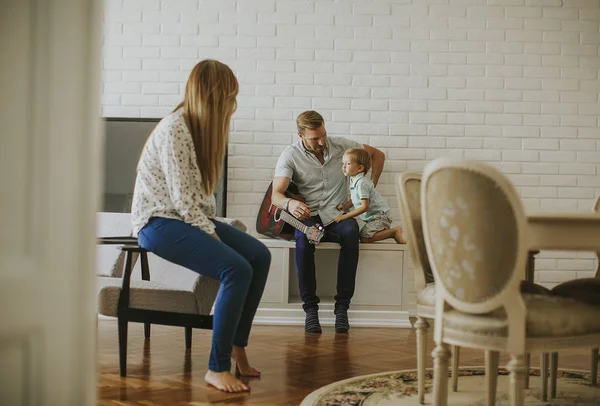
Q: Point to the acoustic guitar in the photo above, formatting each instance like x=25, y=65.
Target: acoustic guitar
x=277, y=223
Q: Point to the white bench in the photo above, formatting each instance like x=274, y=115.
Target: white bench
x=384, y=294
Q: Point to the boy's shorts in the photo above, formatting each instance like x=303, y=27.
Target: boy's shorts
x=376, y=224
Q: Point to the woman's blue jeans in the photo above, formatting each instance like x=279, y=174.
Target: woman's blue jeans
x=239, y=261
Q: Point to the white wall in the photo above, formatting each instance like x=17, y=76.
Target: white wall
x=510, y=82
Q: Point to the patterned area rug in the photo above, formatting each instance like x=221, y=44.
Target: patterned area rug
x=399, y=388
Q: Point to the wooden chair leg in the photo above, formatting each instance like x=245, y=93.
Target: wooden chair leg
x=455, y=359
x=122, y=327
x=145, y=277
x=528, y=363
x=553, y=374
x=492, y=359
x=595, y=352
x=188, y=337
x=421, y=328
x=517, y=369
x=441, y=354
x=544, y=376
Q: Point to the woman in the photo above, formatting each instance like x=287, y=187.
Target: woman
x=173, y=209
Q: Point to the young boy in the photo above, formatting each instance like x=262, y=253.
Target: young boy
x=367, y=201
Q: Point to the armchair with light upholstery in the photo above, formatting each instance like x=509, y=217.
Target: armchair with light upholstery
x=476, y=236
x=168, y=295
x=409, y=198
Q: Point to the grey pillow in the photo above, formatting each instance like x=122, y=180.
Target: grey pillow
x=585, y=290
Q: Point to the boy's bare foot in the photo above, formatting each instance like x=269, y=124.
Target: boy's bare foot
x=242, y=366
x=398, y=237
x=225, y=382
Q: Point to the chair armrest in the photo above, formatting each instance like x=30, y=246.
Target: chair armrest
x=129, y=240
x=111, y=259
x=130, y=251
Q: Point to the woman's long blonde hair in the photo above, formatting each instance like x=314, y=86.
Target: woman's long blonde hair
x=208, y=104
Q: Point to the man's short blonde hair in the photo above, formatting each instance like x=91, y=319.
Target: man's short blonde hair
x=360, y=156
x=309, y=120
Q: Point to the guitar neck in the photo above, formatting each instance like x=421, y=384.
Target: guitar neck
x=288, y=218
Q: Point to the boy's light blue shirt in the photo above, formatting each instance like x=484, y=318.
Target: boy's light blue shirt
x=363, y=188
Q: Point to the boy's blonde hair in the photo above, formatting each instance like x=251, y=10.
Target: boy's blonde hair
x=360, y=156
x=309, y=120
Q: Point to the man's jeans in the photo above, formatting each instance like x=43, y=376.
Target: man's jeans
x=344, y=233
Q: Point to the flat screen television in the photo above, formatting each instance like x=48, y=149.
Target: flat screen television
x=124, y=139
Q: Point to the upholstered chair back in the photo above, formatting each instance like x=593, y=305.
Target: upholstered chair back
x=109, y=258
x=409, y=198
x=474, y=229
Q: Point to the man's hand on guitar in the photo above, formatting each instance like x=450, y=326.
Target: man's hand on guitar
x=299, y=210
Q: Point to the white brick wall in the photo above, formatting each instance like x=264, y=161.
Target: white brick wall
x=511, y=82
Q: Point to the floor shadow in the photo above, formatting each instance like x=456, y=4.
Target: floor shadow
x=146, y=359
x=187, y=365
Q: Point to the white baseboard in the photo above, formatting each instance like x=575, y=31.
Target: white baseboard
x=357, y=318
x=295, y=317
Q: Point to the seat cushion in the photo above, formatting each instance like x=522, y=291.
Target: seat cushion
x=586, y=290
x=547, y=316
x=426, y=297
x=145, y=295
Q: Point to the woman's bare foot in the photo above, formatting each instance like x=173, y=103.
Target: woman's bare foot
x=224, y=381
x=242, y=366
x=398, y=236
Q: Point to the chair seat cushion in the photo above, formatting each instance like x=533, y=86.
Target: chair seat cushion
x=586, y=290
x=547, y=316
x=426, y=297
x=145, y=295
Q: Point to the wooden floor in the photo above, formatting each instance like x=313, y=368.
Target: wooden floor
x=293, y=363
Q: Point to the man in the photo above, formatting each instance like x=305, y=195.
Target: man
x=314, y=164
